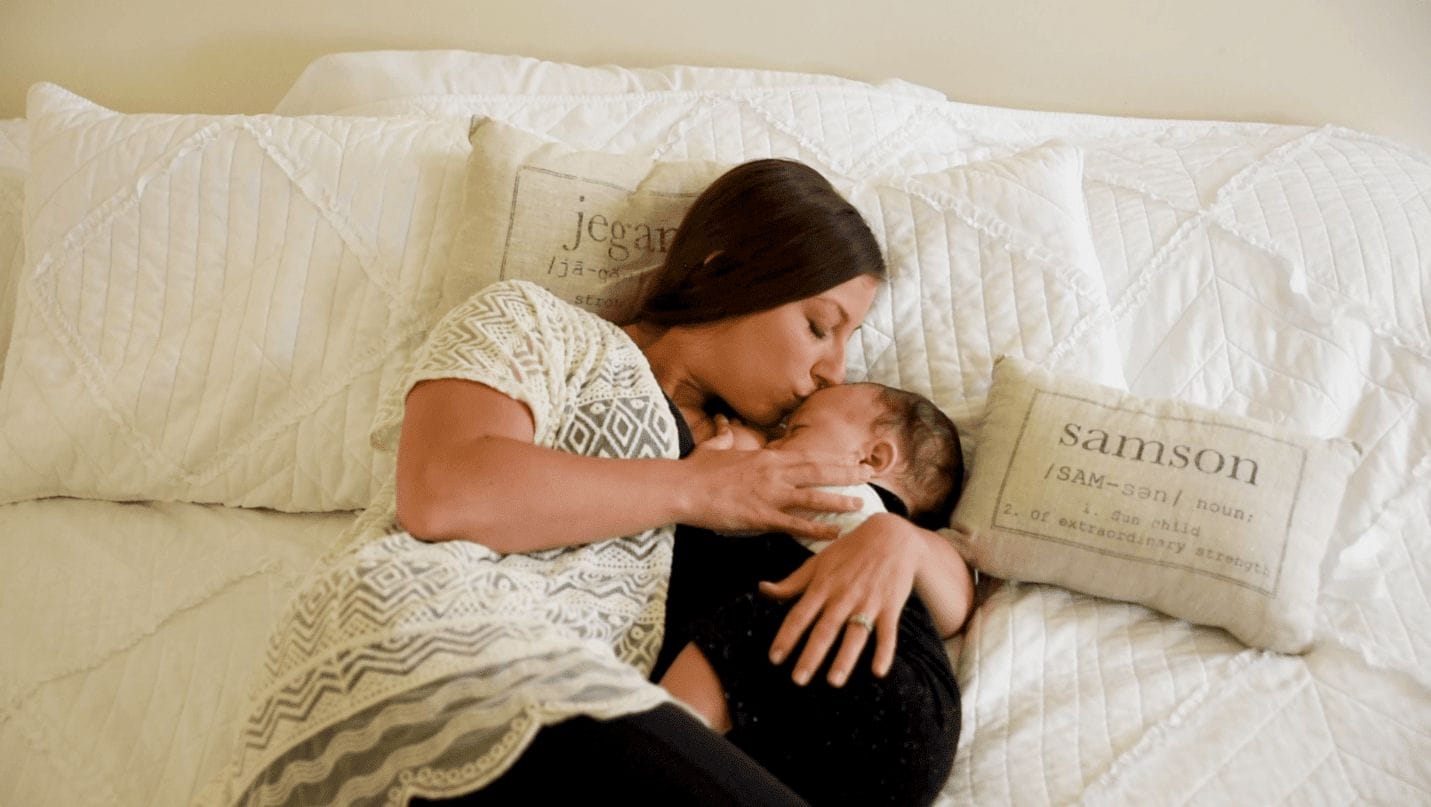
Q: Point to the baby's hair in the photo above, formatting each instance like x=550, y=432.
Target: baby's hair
x=933, y=469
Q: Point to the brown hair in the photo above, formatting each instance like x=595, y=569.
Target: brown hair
x=765, y=233
x=933, y=468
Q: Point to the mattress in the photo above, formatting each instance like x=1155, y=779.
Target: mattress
x=134, y=631
x=1275, y=271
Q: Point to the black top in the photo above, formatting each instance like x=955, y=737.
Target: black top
x=709, y=569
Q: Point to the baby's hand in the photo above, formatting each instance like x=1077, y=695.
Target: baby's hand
x=734, y=435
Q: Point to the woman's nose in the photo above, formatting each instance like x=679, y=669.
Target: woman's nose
x=830, y=370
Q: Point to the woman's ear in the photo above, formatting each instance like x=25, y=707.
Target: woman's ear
x=881, y=455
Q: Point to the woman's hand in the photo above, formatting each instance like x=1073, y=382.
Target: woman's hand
x=869, y=572
x=736, y=490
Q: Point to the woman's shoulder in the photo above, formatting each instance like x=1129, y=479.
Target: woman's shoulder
x=515, y=307
x=529, y=298
x=525, y=291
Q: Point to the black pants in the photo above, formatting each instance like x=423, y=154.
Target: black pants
x=874, y=741
x=661, y=757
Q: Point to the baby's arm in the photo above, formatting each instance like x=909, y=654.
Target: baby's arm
x=945, y=583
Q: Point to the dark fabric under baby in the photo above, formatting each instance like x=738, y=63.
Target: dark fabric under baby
x=873, y=741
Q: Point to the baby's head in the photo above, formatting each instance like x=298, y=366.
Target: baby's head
x=911, y=446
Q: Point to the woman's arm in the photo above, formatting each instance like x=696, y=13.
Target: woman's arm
x=467, y=468
x=869, y=571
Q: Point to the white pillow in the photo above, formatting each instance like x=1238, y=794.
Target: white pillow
x=212, y=303
x=983, y=259
x=728, y=115
x=420, y=82
x=988, y=258
x=14, y=162
x=1211, y=517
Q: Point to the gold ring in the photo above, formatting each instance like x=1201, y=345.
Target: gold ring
x=861, y=620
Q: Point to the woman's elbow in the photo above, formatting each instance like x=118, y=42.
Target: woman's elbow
x=429, y=510
x=421, y=515
x=419, y=522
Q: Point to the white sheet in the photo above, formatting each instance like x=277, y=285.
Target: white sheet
x=14, y=159
x=132, y=629
x=1281, y=272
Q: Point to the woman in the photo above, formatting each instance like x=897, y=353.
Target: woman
x=505, y=652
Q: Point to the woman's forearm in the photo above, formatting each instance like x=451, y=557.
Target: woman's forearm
x=514, y=496
x=467, y=468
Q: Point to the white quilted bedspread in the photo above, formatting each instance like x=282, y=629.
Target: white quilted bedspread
x=1281, y=272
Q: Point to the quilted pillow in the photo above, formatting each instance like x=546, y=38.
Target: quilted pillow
x=987, y=258
x=1215, y=518
x=14, y=162
x=211, y=304
x=398, y=82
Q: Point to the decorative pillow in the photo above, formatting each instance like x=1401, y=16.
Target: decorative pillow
x=586, y=225
x=14, y=162
x=417, y=82
x=211, y=304
x=987, y=258
x=1210, y=517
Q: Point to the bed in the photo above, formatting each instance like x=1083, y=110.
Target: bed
x=1279, y=272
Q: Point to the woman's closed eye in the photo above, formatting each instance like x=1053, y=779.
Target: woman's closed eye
x=818, y=330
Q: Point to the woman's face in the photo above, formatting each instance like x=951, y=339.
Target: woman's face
x=764, y=364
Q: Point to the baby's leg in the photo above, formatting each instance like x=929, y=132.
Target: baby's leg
x=692, y=680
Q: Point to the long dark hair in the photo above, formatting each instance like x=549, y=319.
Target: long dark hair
x=765, y=233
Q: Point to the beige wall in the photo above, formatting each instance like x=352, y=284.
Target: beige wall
x=1360, y=63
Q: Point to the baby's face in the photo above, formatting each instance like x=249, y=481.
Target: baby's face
x=836, y=419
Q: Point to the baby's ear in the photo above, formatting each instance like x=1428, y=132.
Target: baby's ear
x=881, y=455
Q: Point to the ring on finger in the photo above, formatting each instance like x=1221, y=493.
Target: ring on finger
x=863, y=620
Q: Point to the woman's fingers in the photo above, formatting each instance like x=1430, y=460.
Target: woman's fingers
x=857, y=635
x=814, y=470
x=792, y=585
x=857, y=585
x=817, y=645
x=887, y=636
x=801, y=615
x=826, y=501
x=804, y=527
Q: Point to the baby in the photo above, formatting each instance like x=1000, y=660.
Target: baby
x=902, y=747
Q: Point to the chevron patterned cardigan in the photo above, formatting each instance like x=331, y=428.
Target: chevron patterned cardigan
x=405, y=668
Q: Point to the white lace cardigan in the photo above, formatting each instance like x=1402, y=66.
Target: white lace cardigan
x=461, y=651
